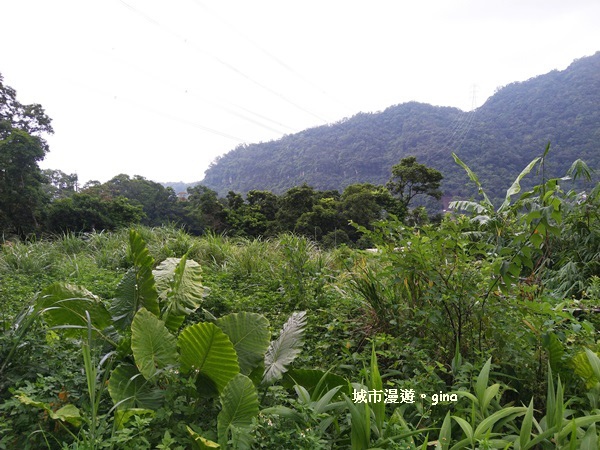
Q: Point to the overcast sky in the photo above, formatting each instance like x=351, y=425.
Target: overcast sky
x=161, y=88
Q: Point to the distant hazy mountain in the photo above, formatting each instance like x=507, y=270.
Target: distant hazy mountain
x=496, y=140
x=179, y=186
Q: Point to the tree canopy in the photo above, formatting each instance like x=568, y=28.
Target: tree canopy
x=21, y=148
x=409, y=179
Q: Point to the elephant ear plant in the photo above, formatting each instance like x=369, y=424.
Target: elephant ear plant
x=142, y=326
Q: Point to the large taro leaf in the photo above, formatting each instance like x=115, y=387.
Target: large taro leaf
x=153, y=347
x=179, y=283
x=239, y=403
x=64, y=306
x=249, y=334
x=68, y=413
x=285, y=348
x=205, y=348
x=129, y=389
x=314, y=381
x=137, y=288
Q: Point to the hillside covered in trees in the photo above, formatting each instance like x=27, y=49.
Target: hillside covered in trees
x=497, y=140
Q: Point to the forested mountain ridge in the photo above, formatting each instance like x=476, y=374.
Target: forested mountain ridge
x=496, y=140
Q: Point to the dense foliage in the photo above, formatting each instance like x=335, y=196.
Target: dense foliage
x=499, y=138
x=267, y=327
x=21, y=148
x=35, y=203
x=476, y=332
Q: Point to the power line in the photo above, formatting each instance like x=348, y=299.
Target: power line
x=460, y=128
x=162, y=113
x=270, y=55
x=206, y=100
x=224, y=63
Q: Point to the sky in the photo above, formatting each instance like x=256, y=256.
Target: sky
x=161, y=89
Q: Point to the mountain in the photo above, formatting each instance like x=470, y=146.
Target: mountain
x=179, y=187
x=496, y=140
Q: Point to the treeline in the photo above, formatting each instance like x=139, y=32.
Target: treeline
x=498, y=139
x=324, y=216
x=36, y=202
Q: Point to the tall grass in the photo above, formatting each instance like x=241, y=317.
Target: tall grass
x=251, y=258
x=71, y=243
x=169, y=241
x=32, y=258
x=304, y=271
x=214, y=250
x=109, y=250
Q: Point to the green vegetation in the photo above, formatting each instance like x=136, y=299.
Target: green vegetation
x=35, y=203
x=475, y=332
x=131, y=319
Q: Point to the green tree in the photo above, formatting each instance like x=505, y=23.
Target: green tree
x=60, y=184
x=265, y=201
x=160, y=204
x=21, y=148
x=409, y=179
x=84, y=212
x=294, y=203
x=322, y=219
x=205, y=211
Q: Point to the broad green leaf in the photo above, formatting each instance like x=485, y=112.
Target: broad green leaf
x=68, y=413
x=579, y=422
x=360, y=424
x=466, y=427
x=239, y=402
x=26, y=400
x=583, y=368
x=467, y=205
x=205, y=348
x=376, y=384
x=201, y=442
x=249, y=334
x=555, y=349
x=515, y=188
x=179, y=283
x=475, y=180
x=466, y=394
x=594, y=362
x=525, y=432
x=445, y=436
x=303, y=395
x=551, y=419
x=488, y=423
x=64, y=306
x=284, y=411
x=123, y=307
x=163, y=276
x=285, y=348
x=489, y=395
x=129, y=389
x=579, y=169
x=537, y=240
x=153, y=347
x=313, y=380
x=482, y=381
x=590, y=439
x=324, y=403
x=137, y=289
